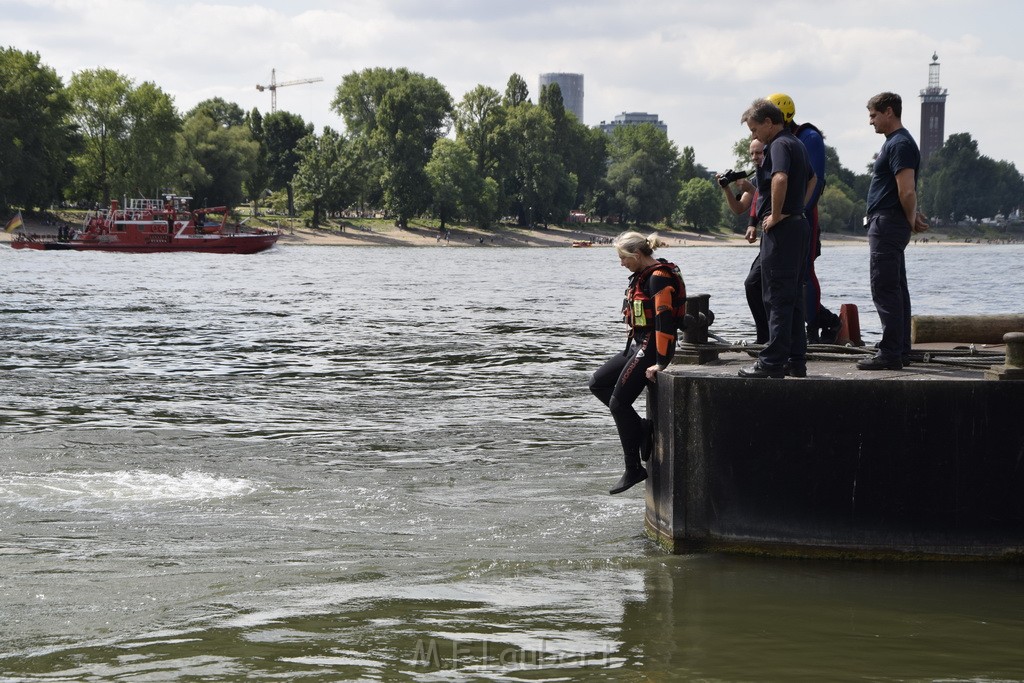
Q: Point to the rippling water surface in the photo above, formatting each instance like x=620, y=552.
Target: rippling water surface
x=383, y=464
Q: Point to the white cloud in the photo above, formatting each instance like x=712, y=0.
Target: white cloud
x=696, y=64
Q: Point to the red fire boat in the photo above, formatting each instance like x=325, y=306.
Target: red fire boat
x=146, y=226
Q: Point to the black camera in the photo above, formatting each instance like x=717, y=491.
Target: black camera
x=731, y=176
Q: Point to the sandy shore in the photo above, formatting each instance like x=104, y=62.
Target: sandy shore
x=504, y=236
x=510, y=236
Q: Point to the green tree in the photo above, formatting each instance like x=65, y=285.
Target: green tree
x=853, y=185
x=477, y=116
x=151, y=147
x=1008, y=188
x=100, y=101
x=401, y=114
x=587, y=159
x=741, y=152
x=129, y=135
x=582, y=150
x=258, y=182
x=454, y=183
x=37, y=138
x=959, y=182
x=215, y=159
x=535, y=184
x=643, y=174
x=836, y=211
x=700, y=203
x=689, y=168
x=282, y=131
x=321, y=181
x=225, y=113
x=516, y=91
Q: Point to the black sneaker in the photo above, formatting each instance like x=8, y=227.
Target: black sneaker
x=879, y=363
x=759, y=371
x=796, y=371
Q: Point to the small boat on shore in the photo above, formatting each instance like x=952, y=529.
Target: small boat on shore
x=582, y=243
x=145, y=226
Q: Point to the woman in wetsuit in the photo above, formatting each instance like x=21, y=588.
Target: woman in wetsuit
x=655, y=301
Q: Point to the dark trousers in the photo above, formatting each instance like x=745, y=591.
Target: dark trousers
x=755, y=300
x=783, y=263
x=618, y=383
x=888, y=236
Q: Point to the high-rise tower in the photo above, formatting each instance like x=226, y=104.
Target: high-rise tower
x=933, y=113
x=571, y=86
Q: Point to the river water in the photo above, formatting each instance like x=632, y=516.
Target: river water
x=334, y=463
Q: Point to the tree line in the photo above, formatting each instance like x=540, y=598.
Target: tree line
x=103, y=136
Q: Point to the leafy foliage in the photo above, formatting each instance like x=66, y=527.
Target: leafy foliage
x=37, y=137
x=400, y=115
x=700, y=203
x=643, y=174
x=959, y=182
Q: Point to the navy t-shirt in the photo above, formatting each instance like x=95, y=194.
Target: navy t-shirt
x=899, y=151
x=786, y=154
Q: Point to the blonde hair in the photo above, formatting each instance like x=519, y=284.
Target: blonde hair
x=632, y=243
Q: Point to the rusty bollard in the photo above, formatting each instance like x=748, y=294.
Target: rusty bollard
x=1014, y=366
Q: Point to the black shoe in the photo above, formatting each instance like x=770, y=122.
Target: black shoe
x=906, y=361
x=646, y=439
x=759, y=371
x=631, y=478
x=879, y=363
x=796, y=371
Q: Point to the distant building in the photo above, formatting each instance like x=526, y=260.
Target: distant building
x=634, y=118
x=571, y=86
x=933, y=113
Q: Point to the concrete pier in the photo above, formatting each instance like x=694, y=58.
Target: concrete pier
x=923, y=463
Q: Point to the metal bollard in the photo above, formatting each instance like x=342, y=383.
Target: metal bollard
x=1013, y=368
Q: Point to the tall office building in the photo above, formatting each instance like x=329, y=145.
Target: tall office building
x=571, y=86
x=933, y=113
x=634, y=118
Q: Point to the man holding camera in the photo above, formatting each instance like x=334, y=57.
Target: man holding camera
x=892, y=217
x=784, y=243
x=747, y=201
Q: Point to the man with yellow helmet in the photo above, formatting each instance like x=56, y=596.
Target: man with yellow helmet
x=817, y=317
x=784, y=242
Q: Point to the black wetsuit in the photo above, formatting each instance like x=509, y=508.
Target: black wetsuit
x=619, y=382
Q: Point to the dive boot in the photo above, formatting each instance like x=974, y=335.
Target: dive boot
x=632, y=477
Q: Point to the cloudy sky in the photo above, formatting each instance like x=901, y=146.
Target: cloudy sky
x=697, y=64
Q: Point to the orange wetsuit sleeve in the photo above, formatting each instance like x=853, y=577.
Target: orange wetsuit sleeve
x=664, y=287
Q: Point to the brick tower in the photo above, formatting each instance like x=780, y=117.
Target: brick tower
x=933, y=113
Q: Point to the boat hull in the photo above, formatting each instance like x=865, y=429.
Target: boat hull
x=235, y=244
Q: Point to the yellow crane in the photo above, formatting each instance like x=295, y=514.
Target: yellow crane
x=274, y=85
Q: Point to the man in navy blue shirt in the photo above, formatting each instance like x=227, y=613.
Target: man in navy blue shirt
x=785, y=241
x=892, y=217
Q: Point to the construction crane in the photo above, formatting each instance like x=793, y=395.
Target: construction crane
x=274, y=85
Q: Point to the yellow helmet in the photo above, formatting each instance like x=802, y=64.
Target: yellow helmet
x=785, y=104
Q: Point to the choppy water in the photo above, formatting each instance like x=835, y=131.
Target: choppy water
x=383, y=464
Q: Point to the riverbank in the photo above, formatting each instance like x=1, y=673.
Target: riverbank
x=510, y=236
x=383, y=234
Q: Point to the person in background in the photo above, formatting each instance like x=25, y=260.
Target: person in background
x=891, y=218
x=654, y=305
x=822, y=324
x=747, y=202
x=784, y=243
